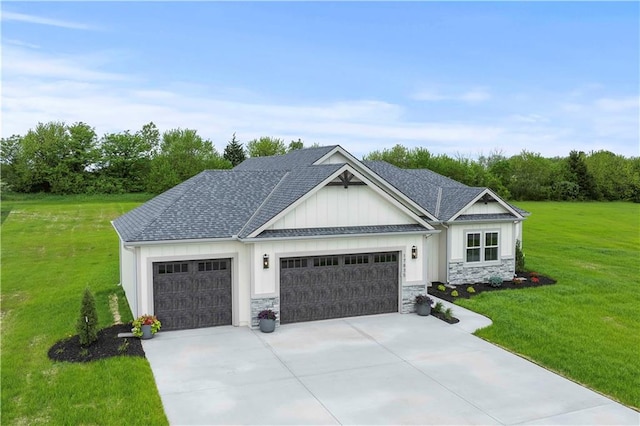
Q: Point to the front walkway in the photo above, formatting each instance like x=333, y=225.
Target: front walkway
x=382, y=369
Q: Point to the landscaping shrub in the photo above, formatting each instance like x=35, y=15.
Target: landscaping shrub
x=519, y=258
x=495, y=281
x=471, y=289
x=455, y=293
x=448, y=314
x=441, y=287
x=438, y=307
x=87, y=325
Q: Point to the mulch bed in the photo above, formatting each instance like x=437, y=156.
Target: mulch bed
x=482, y=287
x=107, y=345
x=440, y=316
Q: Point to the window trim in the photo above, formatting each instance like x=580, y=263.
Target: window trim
x=482, y=247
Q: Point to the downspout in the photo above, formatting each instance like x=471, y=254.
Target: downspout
x=447, y=245
x=135, y=278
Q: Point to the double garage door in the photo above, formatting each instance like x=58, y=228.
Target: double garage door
x=323, y=287
x=192, y=294
x=197, y=293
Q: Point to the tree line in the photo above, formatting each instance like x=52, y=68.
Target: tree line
x=59, y=158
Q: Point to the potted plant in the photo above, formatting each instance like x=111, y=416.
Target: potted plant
x=145, y=326
x=267, y=319
x=423, y=305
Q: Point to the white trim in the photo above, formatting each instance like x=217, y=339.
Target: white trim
x=482, y=233
x=313, y=237
x=370, y=184
x=495, y=197
x=373, y=176
x=235, y=285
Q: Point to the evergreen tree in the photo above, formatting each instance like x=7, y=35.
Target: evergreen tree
x=234, y=152
x=87, y=326
x=519, y=257
x=583, y=178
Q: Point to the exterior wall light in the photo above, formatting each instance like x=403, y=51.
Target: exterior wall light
x=265, y=261
x=414, y=252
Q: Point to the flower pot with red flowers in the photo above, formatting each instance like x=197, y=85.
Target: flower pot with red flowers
x=145, y=326
x=267, y=320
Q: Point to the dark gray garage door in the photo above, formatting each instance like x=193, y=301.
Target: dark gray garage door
x=192, y=294
x=322, y=287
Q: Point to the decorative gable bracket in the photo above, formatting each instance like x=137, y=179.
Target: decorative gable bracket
x=346, y=179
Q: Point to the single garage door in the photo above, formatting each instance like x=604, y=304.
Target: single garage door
x=192, y=294
x=322, y=287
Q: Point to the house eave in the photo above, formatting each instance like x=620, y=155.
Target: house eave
x=456, y=222
x=184, y=241
x=315, y=237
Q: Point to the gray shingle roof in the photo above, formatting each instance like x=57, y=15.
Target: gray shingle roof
x=289, y=161
x=212, y=204
x=226, y=203
x=491, y=216
x=421, y=192
x=341, y=230
x=294, y=185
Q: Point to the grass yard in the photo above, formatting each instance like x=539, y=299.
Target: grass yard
x=587, y=326
x=52, y=248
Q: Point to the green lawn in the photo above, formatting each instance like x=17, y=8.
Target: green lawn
x=587, y=326
x=51, y=249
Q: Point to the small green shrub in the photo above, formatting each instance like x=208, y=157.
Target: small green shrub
x=438, y=307
x=495, y=281
x=455, y=293
x=519, y=258
x=123, y=346
x=87, y=325
x=448, y=314
x=471, y=289
x=441, y=287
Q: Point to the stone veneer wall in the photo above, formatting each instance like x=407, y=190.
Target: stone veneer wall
x=262, y=303
x=459, y=273
x=409, y=292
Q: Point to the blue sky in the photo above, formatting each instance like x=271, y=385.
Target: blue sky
x=454, y=77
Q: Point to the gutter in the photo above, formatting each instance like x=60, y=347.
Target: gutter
x=313, y=237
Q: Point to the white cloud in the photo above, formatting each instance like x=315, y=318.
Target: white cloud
x=38, y=87
x=20, y=43
x=477, y=94
x=39, y=20
x=25, y=62
x=619, y=104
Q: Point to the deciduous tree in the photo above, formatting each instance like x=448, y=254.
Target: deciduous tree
x=265, y=146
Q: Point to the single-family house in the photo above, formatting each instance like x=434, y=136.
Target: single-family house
x=313, y=234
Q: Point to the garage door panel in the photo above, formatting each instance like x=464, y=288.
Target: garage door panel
x=338, y=286
x=197, y=295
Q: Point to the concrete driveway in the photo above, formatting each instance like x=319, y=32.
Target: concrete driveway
x=382, y=369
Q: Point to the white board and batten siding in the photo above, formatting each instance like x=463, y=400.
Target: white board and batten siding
x=128, y=271
x=331, y=206
x=266, y=281
x=458, y=232
x=489, y=208
x=336, y=158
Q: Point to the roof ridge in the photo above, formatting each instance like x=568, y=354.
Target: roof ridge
x=437, y=212
x=267, y=198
